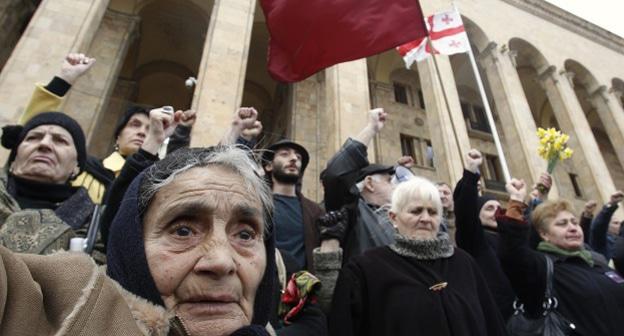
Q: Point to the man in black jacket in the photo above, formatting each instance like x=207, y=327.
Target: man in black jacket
x=294, y=216
x=361, y=189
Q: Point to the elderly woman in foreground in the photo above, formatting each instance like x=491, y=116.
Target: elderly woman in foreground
x=419, y=285
x=191, y=252
x=589, y=293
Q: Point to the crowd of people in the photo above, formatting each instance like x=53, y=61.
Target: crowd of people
x=162, y=239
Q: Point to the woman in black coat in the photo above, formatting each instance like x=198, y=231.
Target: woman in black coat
x=421, y=284
x=589, y=293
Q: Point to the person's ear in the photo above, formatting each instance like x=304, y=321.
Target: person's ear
x=368, y=184
x=392, y=215
x=269, y=167
x=543, y=235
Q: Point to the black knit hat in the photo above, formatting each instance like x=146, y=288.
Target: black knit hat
x=373, y=169
x=484, y=199
x=269, y=154
x=132, y=110
x=13, y=135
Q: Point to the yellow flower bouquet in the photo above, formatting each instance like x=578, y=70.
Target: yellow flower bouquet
x=553, y=147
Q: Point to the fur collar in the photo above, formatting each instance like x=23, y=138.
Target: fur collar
x=439, y=247
x=150, y=318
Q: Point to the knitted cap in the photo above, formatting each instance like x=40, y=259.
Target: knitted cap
x=12, y=136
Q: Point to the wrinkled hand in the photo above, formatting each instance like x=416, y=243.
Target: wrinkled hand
x=474, y=159
x=377, y=119
x=74, y=66
x=406, y=161
x=516, y=189
x=188, y=118
x=616, y=197
x=589, y=208
x=162, y=126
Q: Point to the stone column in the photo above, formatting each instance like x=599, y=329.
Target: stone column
x=221, y=79
x=595, y=177
x=347, y=103
x=14, y=14
x=514, y=112
x=309, y=128
x=449, y=159
x=53, y=32
x=611, y=114
x=88, y=100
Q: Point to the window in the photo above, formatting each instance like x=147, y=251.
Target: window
x=421, y=99
x=575, y=185
x=420, y=149
x=493, y=173
x=401, y=92
x=476, y=118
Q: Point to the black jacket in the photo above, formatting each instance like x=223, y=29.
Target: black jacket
x=481, y=244
x=587, y=296
x=383, y=293
x=367, y=227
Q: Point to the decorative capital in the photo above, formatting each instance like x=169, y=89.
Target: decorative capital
x=600, y=92
x=489, y=53
x=569, y=75
x=548, y=73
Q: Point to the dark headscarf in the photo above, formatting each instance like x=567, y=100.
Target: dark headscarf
x=12, y=136
x=132, y=110
x=127, y=262
x=484, y=199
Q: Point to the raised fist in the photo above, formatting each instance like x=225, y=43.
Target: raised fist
x=74, y=66
x=589, y=208
x=616, y=197
x=516, y=189
x=474, y=159
x=377, y=119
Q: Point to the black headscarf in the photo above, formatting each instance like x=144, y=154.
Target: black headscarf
x=127, y=262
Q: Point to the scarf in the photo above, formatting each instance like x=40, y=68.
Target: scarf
x=582, y=253
x=430, y=249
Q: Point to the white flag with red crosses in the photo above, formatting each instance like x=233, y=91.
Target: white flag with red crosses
x=447, y=34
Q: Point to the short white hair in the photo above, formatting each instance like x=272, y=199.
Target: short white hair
x=415, y=188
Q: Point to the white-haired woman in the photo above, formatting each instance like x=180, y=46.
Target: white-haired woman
x=419, y=285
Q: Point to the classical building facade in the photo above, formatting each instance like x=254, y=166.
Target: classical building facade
x=542, y=67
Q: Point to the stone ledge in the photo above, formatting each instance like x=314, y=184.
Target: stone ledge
x=570, y=22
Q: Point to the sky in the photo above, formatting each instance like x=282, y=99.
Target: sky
x=604, y=13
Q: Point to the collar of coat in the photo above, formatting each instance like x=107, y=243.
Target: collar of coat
x=430, y=249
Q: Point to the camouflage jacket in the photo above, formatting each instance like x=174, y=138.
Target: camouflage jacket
x=42, y=231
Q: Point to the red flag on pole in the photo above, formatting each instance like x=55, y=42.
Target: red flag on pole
x=308, y=36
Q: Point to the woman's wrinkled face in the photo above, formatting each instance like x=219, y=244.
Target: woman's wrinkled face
x=564, y=232
x=205, y=249
x=418, y=220
x=47, y=154
x=487, y=214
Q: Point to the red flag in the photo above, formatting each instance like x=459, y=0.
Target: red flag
x=308, y=36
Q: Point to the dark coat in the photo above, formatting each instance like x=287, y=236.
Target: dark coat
x=600, y=239
x=481, y=244
x=339, y=179
x=311, y=239
x=383, y=293
x=587, y=296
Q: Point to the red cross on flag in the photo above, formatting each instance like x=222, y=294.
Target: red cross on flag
x=447, y=34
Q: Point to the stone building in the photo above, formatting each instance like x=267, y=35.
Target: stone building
x=542, y=67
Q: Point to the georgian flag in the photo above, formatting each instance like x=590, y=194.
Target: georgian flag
x=447, y=34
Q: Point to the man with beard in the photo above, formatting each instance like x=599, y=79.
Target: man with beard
x=294, y=216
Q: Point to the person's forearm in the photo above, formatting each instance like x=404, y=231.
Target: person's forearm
x=366, y=136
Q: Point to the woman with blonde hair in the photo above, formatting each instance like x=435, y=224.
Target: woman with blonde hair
x=587, y=292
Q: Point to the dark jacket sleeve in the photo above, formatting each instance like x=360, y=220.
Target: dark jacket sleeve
x=585, y=223
x=134, y=165
x=599, y=228
x=525, y=267
x=341, y=174
x=347, y=313
x=180, y=138
x=311, y=322
x=618, y=252
x=469, y=233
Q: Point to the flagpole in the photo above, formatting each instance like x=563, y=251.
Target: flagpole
x=488, y=111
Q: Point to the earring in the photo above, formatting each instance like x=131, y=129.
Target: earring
x=116, y=148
